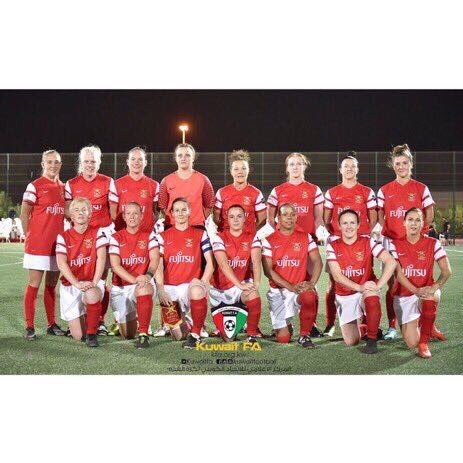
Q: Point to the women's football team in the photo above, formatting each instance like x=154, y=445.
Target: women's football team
x=93, y=223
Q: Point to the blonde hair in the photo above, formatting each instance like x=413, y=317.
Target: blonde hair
x=238, y=155
x=95, y=150
x=142, y=150
x=46, y=153
x=301, y=156
x=397, y=151
x=185, y=145
x=78, y=201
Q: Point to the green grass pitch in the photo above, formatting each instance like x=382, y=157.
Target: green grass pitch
x=60, y=355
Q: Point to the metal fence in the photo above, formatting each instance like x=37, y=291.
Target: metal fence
x=441, y=171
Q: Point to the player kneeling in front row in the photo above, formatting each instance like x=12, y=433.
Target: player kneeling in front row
x=417, y=295
x=235, y=280
x=350, y=258
x=288, y=255
x=81, y=258
x=134, y=256
x=180, y=279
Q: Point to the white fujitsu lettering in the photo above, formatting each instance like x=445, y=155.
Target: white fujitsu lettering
x=179, y=258
x=56, y=209
x=236, y=262
x=80, y=260
x=353, y=272
x=301, y=209
x=285, y=261
x=133, y=260
x=97, y=207
x=399, y=212
x=411, y=271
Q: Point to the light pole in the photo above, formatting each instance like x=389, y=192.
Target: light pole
x=183, y=128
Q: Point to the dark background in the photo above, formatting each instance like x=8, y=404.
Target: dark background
x=223, y=120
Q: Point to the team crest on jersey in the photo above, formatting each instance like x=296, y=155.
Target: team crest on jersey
x=88, y=242
x=359, y=256
x=189, y=242
x=421, y=255
x=358, y=199
x=245, y=246
x=143, y=193
x=305, y=195
x=297, y=247
x=96, y=192
x=411, y=197
x=246, y=200
x=141, y=244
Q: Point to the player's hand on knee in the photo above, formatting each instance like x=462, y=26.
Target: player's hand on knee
x=164, y=297
x=246, y=286
x=370, y=286
x=142, y=280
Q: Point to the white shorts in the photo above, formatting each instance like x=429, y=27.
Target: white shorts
x=283, y=306
x=408, y=308
x=349, y=308
x=33, y=262
x=124, y=302
x=71, y=301
x=226, y=296
x=179, y=293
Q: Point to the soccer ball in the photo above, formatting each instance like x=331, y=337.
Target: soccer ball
x=229, y=325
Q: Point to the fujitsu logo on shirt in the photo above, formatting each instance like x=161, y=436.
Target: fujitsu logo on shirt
x=301, y=209
x=236, y=262
x=411, y=271
x=133, y=260
x=353, y=272
x=80, y=260
x=180, y=258
x=341, y=209
x=97, y=207
x=399, y=212
x=56, y=209
x=285, y=261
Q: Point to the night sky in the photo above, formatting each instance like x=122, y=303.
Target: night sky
x=306, y=120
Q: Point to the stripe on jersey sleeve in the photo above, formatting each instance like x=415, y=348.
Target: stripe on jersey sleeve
x=427, y=198
x=380, y=199
x=152, y=241
x=114, y=246
x=393, y=251
x=218, y=200
x=101, y=239
x=328, y=204
x=156, y=193
x=273, y=198
x=311, y=245
x=266, y=248
x=376, y=247
x=371, y=201
x=330, y=254
x=61, y=247
x=160, y=240
x=318, y=196
x=205, y=243
x=218, y=244
x=30, y=195
x=439, y=251
x=260, y=205
x=256, y=243
x=113, y=195
x=67, y=192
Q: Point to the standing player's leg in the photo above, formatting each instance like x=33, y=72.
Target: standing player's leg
x=330, y=308
x=102, y=330
x=30, y=301
x=49, y=300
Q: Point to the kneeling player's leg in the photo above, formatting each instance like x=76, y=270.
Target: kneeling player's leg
x=390, y=304
x=373, y=313
x=428, y=316
x=92, y=299
x=411, y=333
x=106, y=297
x=330, y=305
x=350, y=333
x=254, y=305
x=307, y=312
x=30, y=297
x=198, y=305
x=144, y=307
x=49, y=296
x=77, y=328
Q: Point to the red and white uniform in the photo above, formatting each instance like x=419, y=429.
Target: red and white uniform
x=80, y=250
x=182, y=253
x=133, y=250
x=238, y=252
x=289, y=254
x=249, y=198
x=197, y=190
x=359, y=198
x=47, y=220
x=396, y=199
x=97, y=192
x=417, y=262
x=144, y=191
x=304, y=197
x=356, y=262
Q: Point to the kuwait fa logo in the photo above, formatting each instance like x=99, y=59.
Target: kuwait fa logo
x=305, y=195
x=359, y=256
x=141, y=244
x=88, y=243
x=421, y=255
x=297, y=247
x=96, y=192
x=246, y=200
x=143, y=193
x=358, y=199
x=229, y=320
x=411, y=197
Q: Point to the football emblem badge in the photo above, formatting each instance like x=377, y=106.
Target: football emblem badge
x=143, y=193
x=88, y=242
x=358, y=199
x=246, y=200
x=171, y=314
x=189, y=242
x=305, y=195
x=96, y=192
x=359, y=256
x=297, y=247
x=229, y=320
x=421, y=255
x=142, y=244
x=411, y=197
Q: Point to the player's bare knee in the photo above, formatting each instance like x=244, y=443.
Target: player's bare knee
x=196, y=292
x=146, y=290
x=249, y=295
x=92, y=296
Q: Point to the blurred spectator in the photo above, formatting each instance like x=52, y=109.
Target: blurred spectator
x=432, y=231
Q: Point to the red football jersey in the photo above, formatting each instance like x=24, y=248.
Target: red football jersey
x=303, y=197
x=80, y=250
x=197, y=190
x=182, y=253
x=289, y=255
x=355, y=260
x=97, y=192
x=396, y=199
x=417, y=261
x=144, y=191
x=250, y=198
x=238, y=251
x=47, y=217
x=359, y=198
x=134, y=250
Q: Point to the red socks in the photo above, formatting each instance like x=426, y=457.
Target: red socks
x=49, y=300
x=428, y=317
x=373, y=311
x=198, y=314
x=144, y=312
x=330, y=306
x=254, y=310
x=30, y=297
x=104, y=303
x=390, y=309
x=93, y=317
x=308, y=312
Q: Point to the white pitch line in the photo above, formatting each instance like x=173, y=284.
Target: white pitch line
x=11, y=252
x=452, y=250
x=13, y=263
